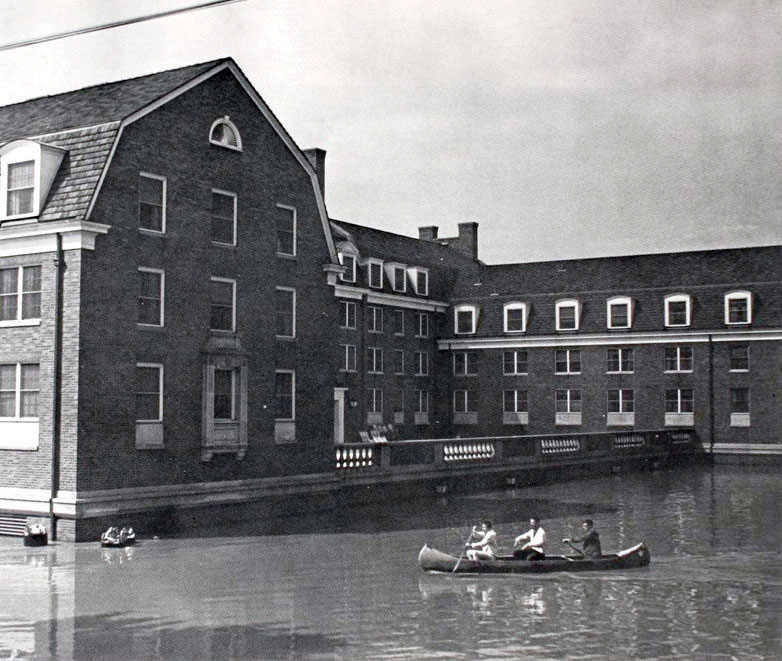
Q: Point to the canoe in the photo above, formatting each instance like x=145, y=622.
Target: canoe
x=433, y=560
x=114, y=537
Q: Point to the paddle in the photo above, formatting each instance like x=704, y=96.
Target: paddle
x=461, y=555
x=575, y=548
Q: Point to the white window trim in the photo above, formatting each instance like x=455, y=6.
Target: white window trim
x=515, y=371
x=422, y=397
x=346, y=354
x=421, y=363
x=568, y=360
x=622, y=352
x=293, y=325
x=514, y=306
x=18, y=320
x=227, y=121
x=348, y=275
x=17, y=417
x=162, y=274
x=163, y=213
x=233, y=305
x=622, y=399
x=473, y=309
x=344, y=314
x=678, y=369
x=678, y=298
x=679, y=398
x=401, y=314
x=393, y=268
x=370, y=263
x=737, y=296
x=466, y=400
x=295, y=215
x=619, y=300
x=515, y=392
x=375, y=398
x=401, y=354
x=375, y=352
x=375, y=313
x=227, y=193
x=570, y=400
x=160, y=368
x=568, y=303
x=420, y=278
x=293, y=395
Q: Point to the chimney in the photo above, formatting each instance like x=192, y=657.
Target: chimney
x=467, y=241
x=428, y=233
x=317, y=159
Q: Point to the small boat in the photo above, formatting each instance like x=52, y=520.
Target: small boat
x=433, y=560
x=35, y=535
x=117, y=537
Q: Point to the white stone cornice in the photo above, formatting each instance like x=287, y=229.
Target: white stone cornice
x=609, y=339
x=37, y=237
x=394, y=300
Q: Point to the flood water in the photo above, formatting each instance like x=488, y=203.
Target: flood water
x=347, y=587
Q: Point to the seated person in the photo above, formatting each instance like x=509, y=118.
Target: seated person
x=535, y=538
x=590, y=540
x=483, y=547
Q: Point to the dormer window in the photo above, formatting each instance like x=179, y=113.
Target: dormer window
x=225, y=134
x=515, y=317
x=619, y=312
x=375, y=273
x=27, y=170
x=398, y=276
x=465, y=319
x=420, y=279
x=349, y=262
x=568, y=313
x=677, y=310
x=738, y=308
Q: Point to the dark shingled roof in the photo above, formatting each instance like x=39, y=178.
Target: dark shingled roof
x=92, y=105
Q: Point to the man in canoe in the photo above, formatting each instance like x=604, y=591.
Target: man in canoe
x=483, y=546
x=590, y=540
x=535, y=538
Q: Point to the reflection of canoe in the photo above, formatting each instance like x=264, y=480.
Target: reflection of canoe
x=118, y=538
x=433, y=560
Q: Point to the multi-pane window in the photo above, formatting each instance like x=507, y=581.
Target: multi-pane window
x=398, y=321
x=465, y=319
x=567, y=361
x=399, y=278
x=284, y=395
x=21, y=188
x=422, y=401
x=348, y=358
x=375, y=319
x=398, y=401
x=465, y=363
x=375, y=269
x=225, y=394
x=18, y=391
x=619, y=360
x=151, y=283
x=464, y=401
x=677, y=310
x=223, y=303
x=285, y=227
x=223, y=229
x=422, y=363
x=149, y=392
x=347, y=315
x=225, y=134
x=514, y=362
x=422, y=324
x=20, y=293
x=422, y=282
x=739, y=400
x=567, y=401
x=285, y=311
x=738, y=307
x=618, y=312
x=375, y=400
x=679, y=400
x=375, y=360
x=515, y=401
x=678, y=359
x=399, y=361
x=152, y=202
x=348, y=261
x=515, y=317
x=567, y=313
x=621, y=401
x=739, y=358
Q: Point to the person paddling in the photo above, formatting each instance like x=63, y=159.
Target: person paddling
x=535, y=538
x=483, y=546
x=590, y=540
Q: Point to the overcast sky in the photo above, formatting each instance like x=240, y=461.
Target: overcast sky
x=565, y=128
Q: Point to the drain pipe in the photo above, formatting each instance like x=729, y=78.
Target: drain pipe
x=54, y=480
x=711, y=398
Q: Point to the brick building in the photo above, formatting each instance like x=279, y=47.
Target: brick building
x=182, y=325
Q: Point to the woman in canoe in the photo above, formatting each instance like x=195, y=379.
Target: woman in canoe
x=483, y=547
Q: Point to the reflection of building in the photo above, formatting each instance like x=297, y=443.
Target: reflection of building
x=181, y=324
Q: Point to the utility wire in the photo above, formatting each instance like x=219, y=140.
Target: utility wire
x=115, y=24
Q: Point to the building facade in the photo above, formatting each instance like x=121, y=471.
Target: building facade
x=182, y=325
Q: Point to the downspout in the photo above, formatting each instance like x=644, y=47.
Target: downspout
x=54, y=480
x=711, y=397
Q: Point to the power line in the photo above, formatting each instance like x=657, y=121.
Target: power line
x=115, y=24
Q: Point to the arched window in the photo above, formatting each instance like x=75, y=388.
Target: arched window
x=465, y=319
x=619, y=312
x=678, y=308
x=568, y=314
x=225, y=134
x=515, y=317
x=738, y=308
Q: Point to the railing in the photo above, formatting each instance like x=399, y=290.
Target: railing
x=513, y=450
